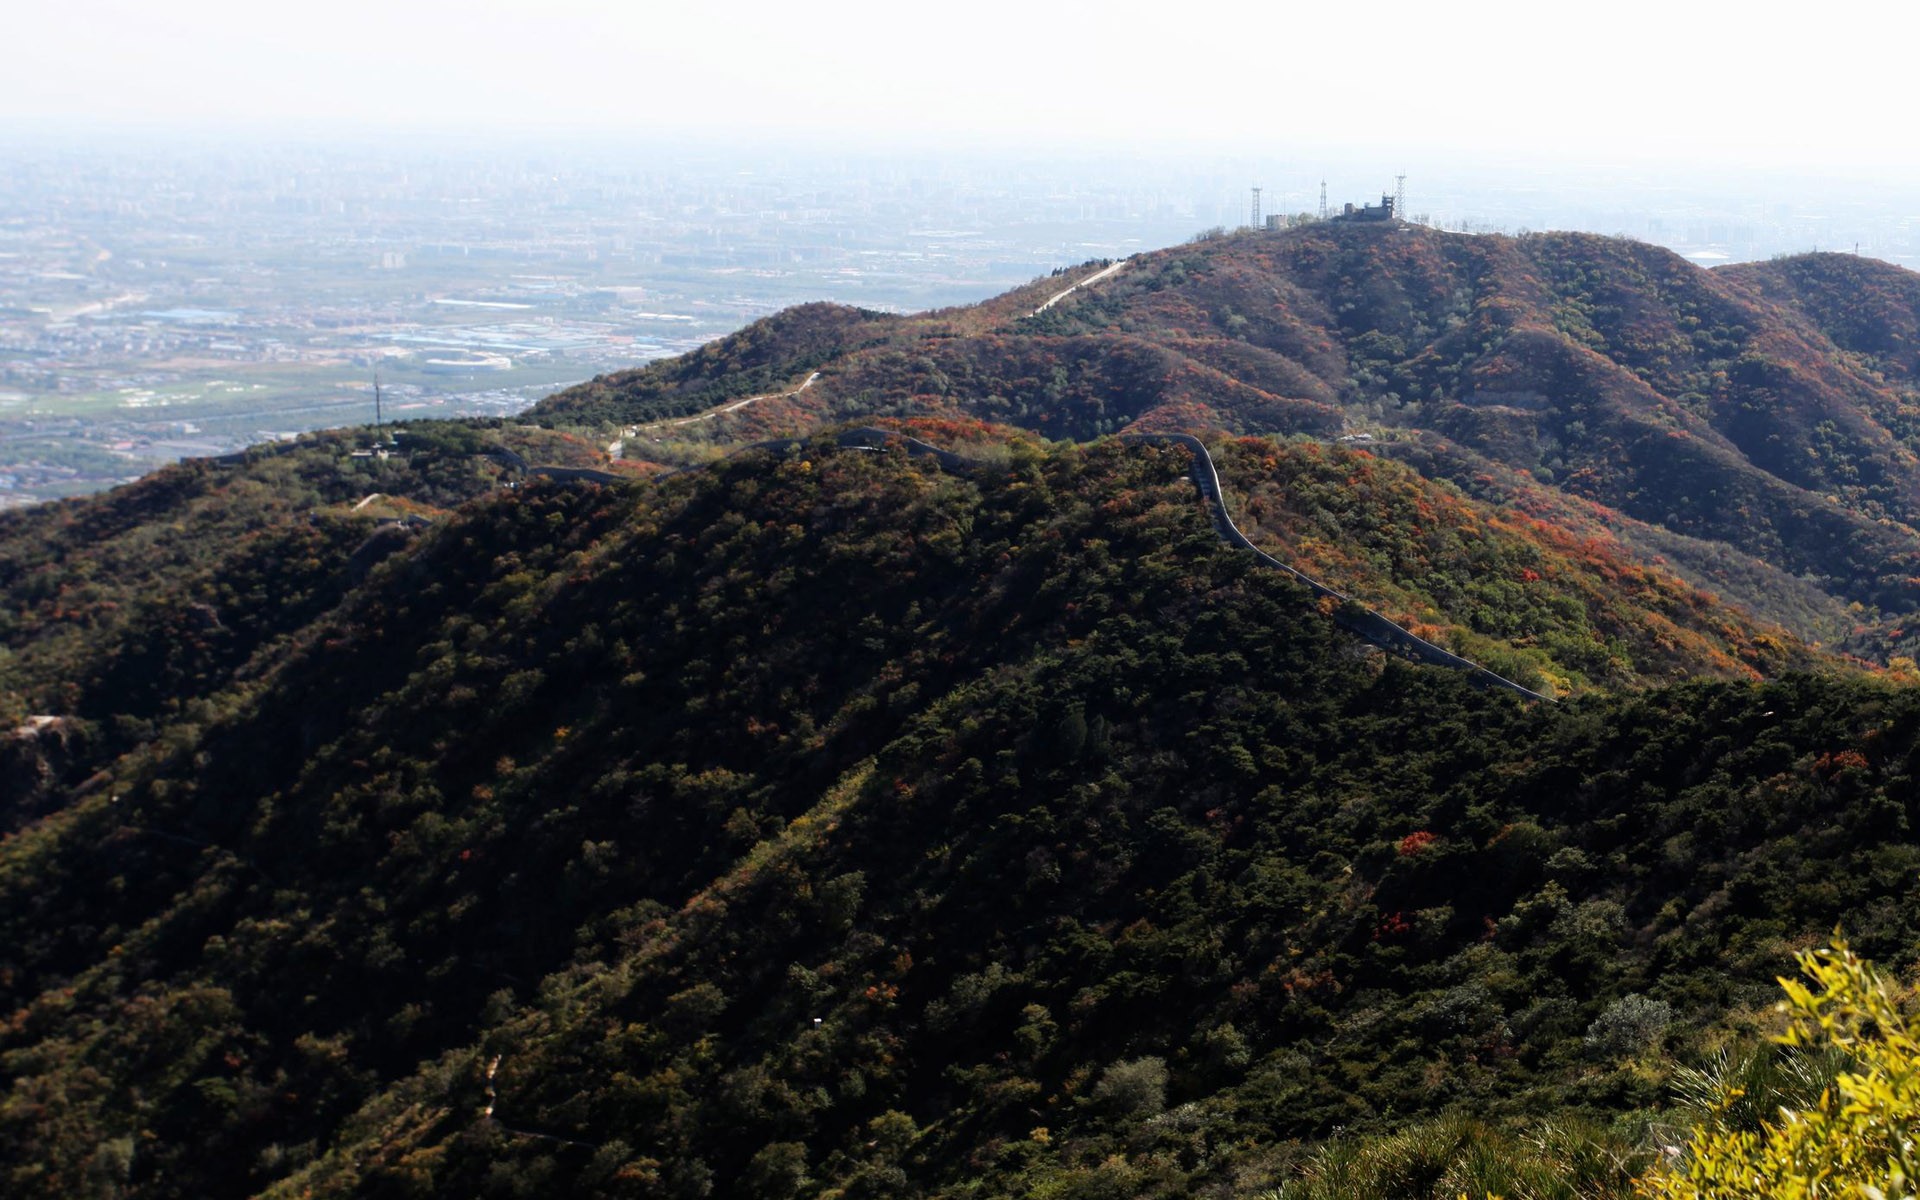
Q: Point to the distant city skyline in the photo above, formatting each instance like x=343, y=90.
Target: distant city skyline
x=1634, y=82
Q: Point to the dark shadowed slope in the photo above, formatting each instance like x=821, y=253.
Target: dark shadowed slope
x=838, y=817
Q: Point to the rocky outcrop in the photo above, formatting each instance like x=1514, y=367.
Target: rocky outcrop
x=35, y=759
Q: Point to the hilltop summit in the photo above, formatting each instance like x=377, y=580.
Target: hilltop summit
x=979, y=815
x=1755, y=426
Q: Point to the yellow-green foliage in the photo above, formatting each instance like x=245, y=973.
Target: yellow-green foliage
x=1459, y=1156
x=1857, y=1140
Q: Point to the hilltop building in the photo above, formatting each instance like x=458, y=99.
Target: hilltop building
x=1370, y=212
x=1393, y=205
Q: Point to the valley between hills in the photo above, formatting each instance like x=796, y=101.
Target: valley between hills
x=854, y=759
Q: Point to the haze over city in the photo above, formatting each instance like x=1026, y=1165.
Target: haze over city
x=857, y=601
x=219, y=220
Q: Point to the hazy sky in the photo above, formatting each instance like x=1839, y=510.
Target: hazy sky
x=1708, y=82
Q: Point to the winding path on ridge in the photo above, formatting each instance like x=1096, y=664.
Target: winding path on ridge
x=615, y=450
x=1365, y=623
x=1362, y=622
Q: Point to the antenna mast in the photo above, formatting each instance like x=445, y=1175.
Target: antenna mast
x=1256, y=209
x=1400, y=195
x=1323, y=199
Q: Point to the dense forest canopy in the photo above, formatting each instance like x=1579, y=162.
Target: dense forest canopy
x=500, y=816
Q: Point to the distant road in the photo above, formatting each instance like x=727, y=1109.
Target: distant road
x=1096, y=277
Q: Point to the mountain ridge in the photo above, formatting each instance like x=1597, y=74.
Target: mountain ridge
x=1708, y=405
x=497, y=909
x=825, y=821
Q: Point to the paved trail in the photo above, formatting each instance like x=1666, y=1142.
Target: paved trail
x=1094, y=278
x=619, y=447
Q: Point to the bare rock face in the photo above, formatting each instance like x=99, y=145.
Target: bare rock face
x=34, y=758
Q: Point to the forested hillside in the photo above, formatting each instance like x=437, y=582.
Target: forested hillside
x=841, y=818
x=1764, y=418
x=477, y=813
x=124, y=611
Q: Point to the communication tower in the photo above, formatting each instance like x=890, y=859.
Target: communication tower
x=1255, y=222
x=1323, y=199
x=1400, y=196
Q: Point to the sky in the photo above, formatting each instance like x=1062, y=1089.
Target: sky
x=1683, y=81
